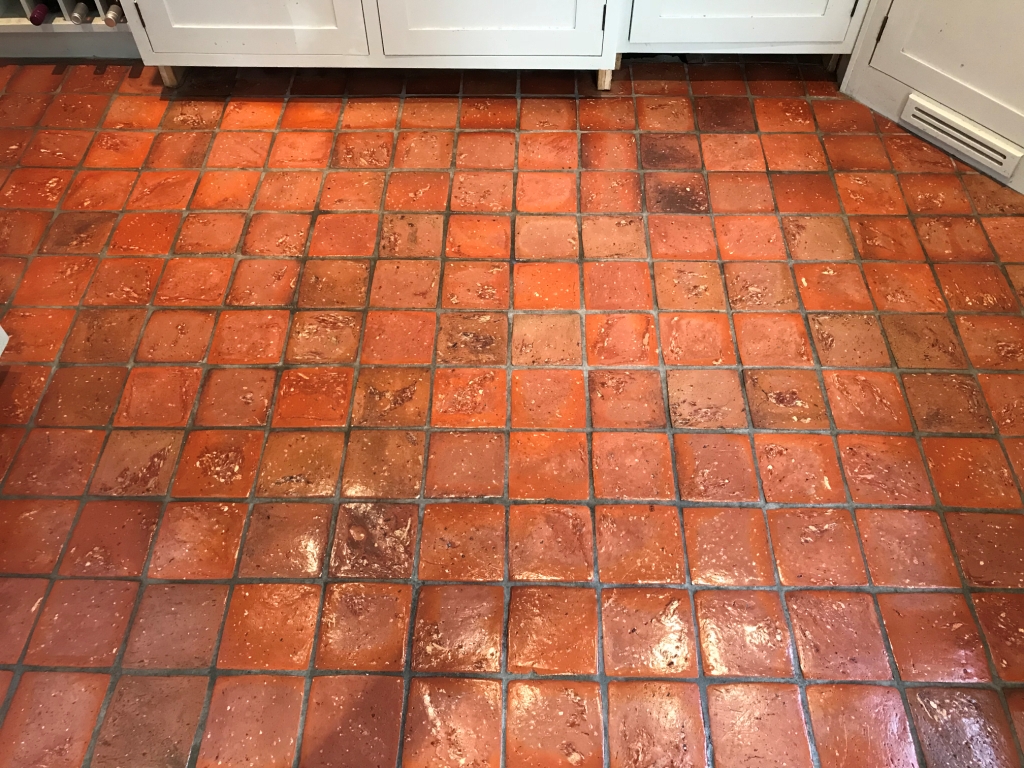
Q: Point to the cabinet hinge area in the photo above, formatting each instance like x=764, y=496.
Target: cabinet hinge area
x=881, y=30
x=142, y=18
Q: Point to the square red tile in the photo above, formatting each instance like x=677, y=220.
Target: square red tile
x=606, y=114
x=688, y=286
x=724, y=115
x=312, y=113
x=269, y=626
x=547, y=115
x=977, y=711
x=773, y=339
x=468, y=711
x=19, y=600
x=82, y=624
x=548, y=399
x=362, y=150
x=462, y=542
x=799, y=469
x=793, y=152
x=546, y=192
x=814, y=238
x=478, y=237
x=999, y=616
x=405, y=284
x=136, y=463
x=777, y=737
x=548, y=151
x=728, y=547
x=469, y=397
x=987, y=548
x=639, y=544
x=805, y=193
x=364, y=627
x=832, y=287
x=176, y=336
x=52, y=713
x=424, y=149
x=570, y=714
x=369, y=112
x=158, y=397
x=632, y=466
x=219, y=463
x=617, y=286
x=458, y=629
x=263, y=282
x=971, y=472
x=621, y=339
x=664, y=113
x=194, y=282
x=54, y=462
x=856, y=153
x=546, y=286
x=548, y=465
x=374, y=541
x=947, y=402
x=382, y=464
x=36, y=531
x=549, y=339
x=837, y=636
x=866, y=401
x=289, y=191
x=352, y=190
x=666, y=716
x=210, y=233
x=466, y=465
x=785, y=399
x=614, y=237
x=729, y=648
x=993, y=342
x=270, y=705
x=249, y=337
x=676, y=192
x=176, y=626
x=486, y=150
x=313, y=398
x=906, y=548
x=976, y=288
x=198, y=540
x=648, y=632
x=933, y=637
x=843, y=116
x=540, y=641
x=626, y=399
x=335, y=234
x=949, y=238
x=760, y=287
x=732, y=152
x=301, y=464
x=612, y=151
x=44, y=187
x=550, y=542
x=146, y=234
x=278, y=234
x=546, y=237
x=475, y=285
x=179, y=149
x=816, y=547
x=715, y=468
x=855, y=723
x=239, y=149
x=417, y=191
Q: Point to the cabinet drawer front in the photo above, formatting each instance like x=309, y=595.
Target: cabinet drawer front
x=740, y=21
x=266, y=27
x=492, y=27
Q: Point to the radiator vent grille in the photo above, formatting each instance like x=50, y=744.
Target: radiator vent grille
x=964, y=138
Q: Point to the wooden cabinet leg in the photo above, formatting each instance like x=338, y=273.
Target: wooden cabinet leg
x=172, y=76
x=604, y=76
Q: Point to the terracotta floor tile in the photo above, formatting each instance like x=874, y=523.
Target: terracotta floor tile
x=92, y=551
x=632, y=466
x=391, y=397
x=82, y=624
x=777, y=737
x=548, y=399
x=469, y=397
x=263, y=282
x=665, y=717
x=743, y=633
x=374, y=541
x=816, y=547
x=814, y=238
x=648, y=632
x=971, y=472
x=280, y=234
x=614, y=237
x=54, y=462
x=832, y=287
x=752, y=238
x=136, y=463
x=44, y=187
x=252, y=719
x=727, y=547
x=676, y=192
x=785, y=399
x=547, y=716
x=21, y=387
x=906, y=549
x=409, y=284
x=860, y=723
x=44, y=332
x=664, y=113
x=387, y=464
x=486, y=150
x=79, y=232
x=249, y=336
x=732, y=152
x=724, y=115
x=616, y=150
x=626, y=399
x=866, y=400
x=999, y=616
x=19, y=601
x=805, y=193
x=417, y=191
x=65, y=149
x=617, y=286
x=52, y=714
x=621, y=339
x=351, y=721
x=947, y=403
x=550, y=543
x=546, y=465
x=453, y=720
x=179, y=149
x=993, y=342
x=945, y=739
x=158, y=397
x=285, y=541
x=793, y=152
x=176, y=626
x=976, y=288
x=269, y=626
x=210, y=233
x=910, y=154
x=837, y=636
x=540, y=641
x=145, y=234
x=760, y=287
x=176, y=336
x=546, y=237
x=638, y=545
x=986, y=555
x=715, y=468
x=337, y=283
x=130, y=734
x=767, y=339
x=35, y=532
x=857, y=153
x=198, y=540
x=364, y=627
x=933, y=637
x=947, y=238
x=300, y=464
x=194, y=282
x=688, y=286
x=547, y=286
x=458, y=629
x=466, y=464
x=923, y=341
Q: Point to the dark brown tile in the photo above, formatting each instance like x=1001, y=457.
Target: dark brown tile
x=374, y=541
x=960, y=726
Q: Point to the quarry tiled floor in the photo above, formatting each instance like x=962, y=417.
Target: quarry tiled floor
x=436, y=419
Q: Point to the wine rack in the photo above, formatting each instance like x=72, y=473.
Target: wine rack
x=58, y=36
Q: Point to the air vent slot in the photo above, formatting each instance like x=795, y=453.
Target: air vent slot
x=963, y=137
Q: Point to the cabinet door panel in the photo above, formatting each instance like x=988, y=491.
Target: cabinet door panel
x=492, y=27
x=740, y=21
x=266, y=27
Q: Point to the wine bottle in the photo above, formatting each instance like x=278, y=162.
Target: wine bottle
x=42, y=10
x=80, y=14
x=113, y=16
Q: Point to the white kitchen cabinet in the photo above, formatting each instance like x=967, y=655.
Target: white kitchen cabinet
x=492, y=27
x=722, y=24
x=265, y=28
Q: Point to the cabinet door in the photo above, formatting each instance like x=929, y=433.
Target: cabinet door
x=740, y=21
x=265, y=27
x=492, y=27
